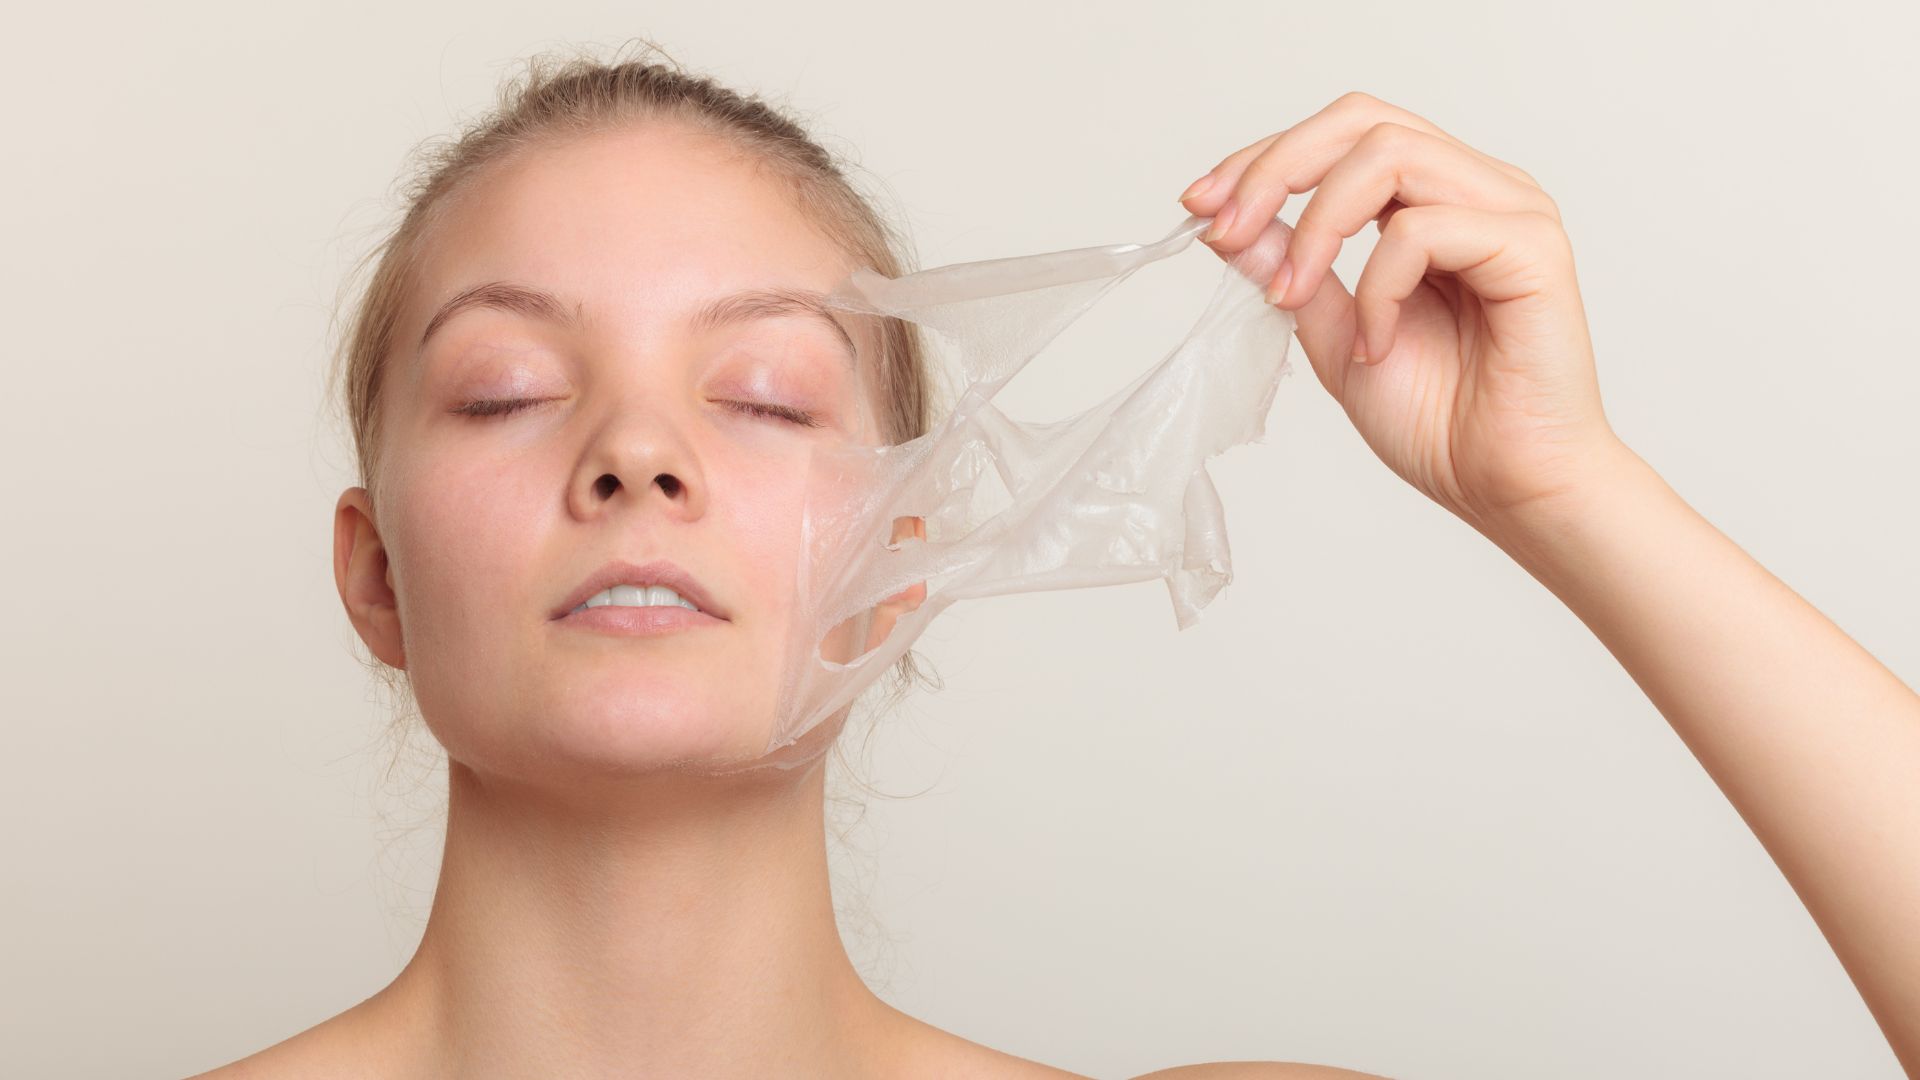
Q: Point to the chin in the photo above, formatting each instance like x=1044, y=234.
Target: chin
x=600, y=733
x=712, y=738
x=637, y=732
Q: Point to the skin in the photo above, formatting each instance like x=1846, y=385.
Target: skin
x=1474, y=382
x=604, y=908
x=601, y=914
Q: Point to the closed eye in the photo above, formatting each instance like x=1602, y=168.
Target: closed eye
x=497, y=407
x=795, y=416
x=501, y=407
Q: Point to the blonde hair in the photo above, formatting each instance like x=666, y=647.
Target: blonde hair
x=561, y=95
x=573, y=93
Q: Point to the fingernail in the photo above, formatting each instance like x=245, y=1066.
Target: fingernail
x=1222, y=221
x=1359, y=348
x=1198, y=187
x=1280, y=282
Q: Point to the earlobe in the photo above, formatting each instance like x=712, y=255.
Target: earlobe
x=364, y=576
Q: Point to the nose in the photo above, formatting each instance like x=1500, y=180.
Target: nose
x=639, y=456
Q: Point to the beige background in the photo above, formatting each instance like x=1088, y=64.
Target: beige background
x=1389, y=805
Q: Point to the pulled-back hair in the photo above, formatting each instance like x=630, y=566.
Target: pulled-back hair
x=563, y=94
x=572, y=93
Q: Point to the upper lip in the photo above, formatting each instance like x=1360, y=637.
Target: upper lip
x=657, y=572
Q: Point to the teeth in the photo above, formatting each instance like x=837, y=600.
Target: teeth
x=637, y=596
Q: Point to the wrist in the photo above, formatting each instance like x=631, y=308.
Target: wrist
x=1612, y=484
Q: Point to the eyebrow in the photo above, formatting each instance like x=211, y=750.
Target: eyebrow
x=743, y=306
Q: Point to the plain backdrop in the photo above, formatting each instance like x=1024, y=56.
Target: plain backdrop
x=1389, y=805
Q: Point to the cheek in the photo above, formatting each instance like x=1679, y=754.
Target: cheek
x=462, y=536
x=755, y=509
x=757, y=502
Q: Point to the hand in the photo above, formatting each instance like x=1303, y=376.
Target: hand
x=1471, y=371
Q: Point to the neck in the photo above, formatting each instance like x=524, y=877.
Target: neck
x=681, y=926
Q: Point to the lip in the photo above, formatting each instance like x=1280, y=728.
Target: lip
x=638, y=621
x=657, y=572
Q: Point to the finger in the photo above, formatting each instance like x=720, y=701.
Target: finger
x=887, y=612
x=1354, y=112
x=1503, y=256
x=1390, y=162
x=1204, y=196
x=1299, y=157
x=1325, y=325
x=1254, y=200
x=1393, y=207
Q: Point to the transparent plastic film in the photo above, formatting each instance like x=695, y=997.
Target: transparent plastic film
x=1113, y=494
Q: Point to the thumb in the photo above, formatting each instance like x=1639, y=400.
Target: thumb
x=1326, y=325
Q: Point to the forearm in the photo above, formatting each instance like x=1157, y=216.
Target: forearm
x=1814, y=741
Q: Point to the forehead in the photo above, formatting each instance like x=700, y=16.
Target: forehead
x=639, y=226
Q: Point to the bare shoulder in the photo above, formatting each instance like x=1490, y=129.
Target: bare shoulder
x=1258, y=1070
x=337, y=1046
x=282, y=1061
x=306, y=1056
x=952, y=1056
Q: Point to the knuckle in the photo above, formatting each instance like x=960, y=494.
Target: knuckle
x=1411, y=221
x=1514, y=171
x=1366, y=290
x=1385, y=139
x=1265, y=171
x=1312, y=233
x=1312, y=244
x=1548, y=233
x=1398, y=223
x=1395, y=132
x=1517, y=171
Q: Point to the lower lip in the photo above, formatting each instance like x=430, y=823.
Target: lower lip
x=649, y=621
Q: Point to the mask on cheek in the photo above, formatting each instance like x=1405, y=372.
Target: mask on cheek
x=1115, y=494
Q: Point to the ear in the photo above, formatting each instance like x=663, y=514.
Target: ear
x=888, y=611
x=364, y=576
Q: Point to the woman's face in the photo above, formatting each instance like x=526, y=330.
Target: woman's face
x=641, y=439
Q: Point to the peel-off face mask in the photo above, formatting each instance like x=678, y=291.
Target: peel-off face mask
x=1117, y=493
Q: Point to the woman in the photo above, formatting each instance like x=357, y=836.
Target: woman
x=606, y=909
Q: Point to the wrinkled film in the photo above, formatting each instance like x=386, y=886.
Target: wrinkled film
x=1117, y=493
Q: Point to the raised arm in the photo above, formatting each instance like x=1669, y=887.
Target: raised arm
x=1462, y=357
x=1814, y=741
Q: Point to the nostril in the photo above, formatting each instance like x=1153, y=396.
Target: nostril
x=669, y=484
x=606, y=485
